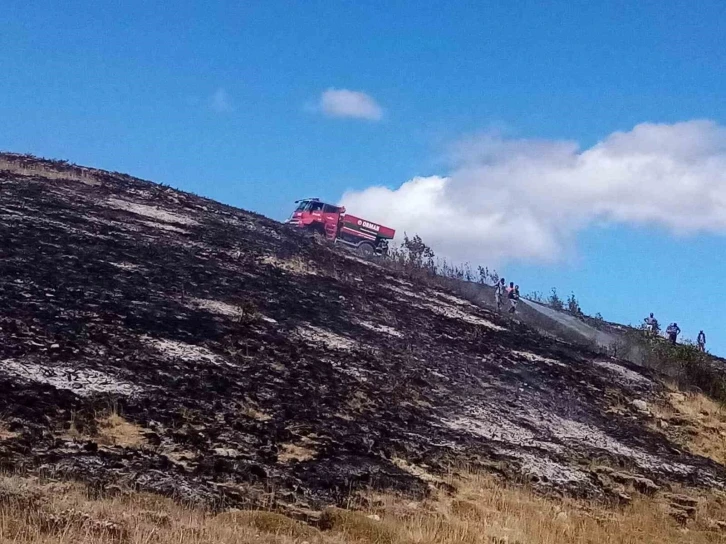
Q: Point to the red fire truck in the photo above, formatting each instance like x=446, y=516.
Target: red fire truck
x=365, y=237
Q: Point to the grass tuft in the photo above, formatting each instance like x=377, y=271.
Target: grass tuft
x=357, y=527
x=270, y=522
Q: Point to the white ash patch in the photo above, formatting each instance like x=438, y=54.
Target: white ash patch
x=257, y=227
x=385, y=329
x=231, y=220
x=294, y=265
x=244, y=222
x=237, y=268
x=126, y=266
x=547, y=469
x=143, y=194
x=415, y=470
x=328, y=338
x=152, y=212
x=224, y=309
x=455, y=313
x=574, y=432
x=5, y=212
x=499, y=428
x=173, y=349
x=216, y=307
x=452, y=298
x=164, y=226
x=226, y=452
x=403, y=291
x=121, y=225
x=349, y=369
x=82, y=382
x=496, y=427
x=205, y=250
x=629, y=376
x=361, y=261
x=538, y=358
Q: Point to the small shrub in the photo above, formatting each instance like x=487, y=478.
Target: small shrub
x=573, y=306
x=555, y=301
x=418, y=253
x=487, y=276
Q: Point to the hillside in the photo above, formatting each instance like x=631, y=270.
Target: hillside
x=153, y=339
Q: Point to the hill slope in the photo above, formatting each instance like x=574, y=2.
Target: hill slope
x=154, y=338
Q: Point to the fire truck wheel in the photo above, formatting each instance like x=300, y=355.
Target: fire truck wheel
x=315, y=232
x=366, y=250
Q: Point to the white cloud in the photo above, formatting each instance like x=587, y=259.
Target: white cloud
x=345, y=103
x=221, y=102
x=522, y=199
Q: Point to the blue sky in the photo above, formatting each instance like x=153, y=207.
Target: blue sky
x=223, y=99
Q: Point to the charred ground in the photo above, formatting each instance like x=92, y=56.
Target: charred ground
x=263, y=367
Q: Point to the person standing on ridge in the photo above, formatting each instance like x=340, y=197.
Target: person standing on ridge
x=650, y=323
x=513, y=299
x=499, y=293
x=673, y=331
x=701, y=341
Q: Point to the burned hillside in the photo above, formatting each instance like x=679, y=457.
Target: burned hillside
x=252, y=362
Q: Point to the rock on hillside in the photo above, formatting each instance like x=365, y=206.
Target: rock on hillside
x=247, y=361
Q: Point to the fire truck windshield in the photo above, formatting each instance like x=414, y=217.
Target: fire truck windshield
x=309, y=206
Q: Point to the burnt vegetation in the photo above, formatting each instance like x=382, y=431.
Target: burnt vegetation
x=252, y=365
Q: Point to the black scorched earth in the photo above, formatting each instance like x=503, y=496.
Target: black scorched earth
x=261, y=364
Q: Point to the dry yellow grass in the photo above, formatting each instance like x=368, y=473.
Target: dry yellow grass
x=697, y=421
x=116, y=431
x=34, y=512
x=5, y=433
x=297, y=452
x=293, y=265
x=485, y=510
x=250, y=410
x=71, y=172
x=482, y=511
x=112, y=430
